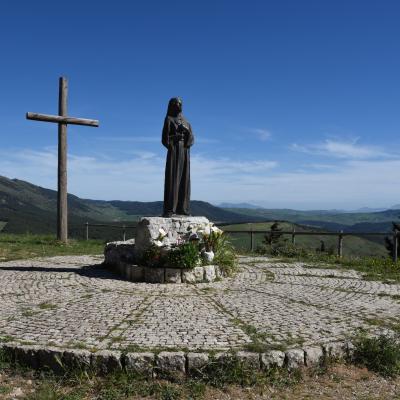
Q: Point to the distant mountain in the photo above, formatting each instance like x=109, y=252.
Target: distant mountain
x=30, y=208
x=328, y=220
x=368, y=209
x=238, y=205
x=25, y=207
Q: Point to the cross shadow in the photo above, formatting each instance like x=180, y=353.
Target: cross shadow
x=99, y=271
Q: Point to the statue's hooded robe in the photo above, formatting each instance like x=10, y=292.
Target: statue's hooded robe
x=177, y=137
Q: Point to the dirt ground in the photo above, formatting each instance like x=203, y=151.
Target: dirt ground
x=340, y=382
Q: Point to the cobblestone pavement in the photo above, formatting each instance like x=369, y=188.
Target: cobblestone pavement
x=72, y=301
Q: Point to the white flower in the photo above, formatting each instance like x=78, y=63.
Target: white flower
x=207, y=230
x=162, y=232
x=215, y=229
x=158, y=243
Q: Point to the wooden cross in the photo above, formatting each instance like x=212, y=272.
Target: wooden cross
x=62, y=119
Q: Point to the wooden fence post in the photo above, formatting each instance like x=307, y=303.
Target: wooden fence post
x=251, y=240
x=340, y=244
x=124, y=232
x=395, y=244
x=294, y=236
x=87, y=230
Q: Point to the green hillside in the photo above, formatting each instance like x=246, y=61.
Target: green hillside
x=352, y=245
x=328, y=220
x=29, y=208
x=25, y=207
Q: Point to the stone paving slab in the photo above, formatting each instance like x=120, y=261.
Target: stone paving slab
x=73, y=302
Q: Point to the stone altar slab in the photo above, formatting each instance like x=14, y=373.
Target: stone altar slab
x=148, y=230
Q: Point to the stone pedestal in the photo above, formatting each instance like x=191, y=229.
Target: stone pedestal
x=148, y=230
x=124, y=257
x=120, y=255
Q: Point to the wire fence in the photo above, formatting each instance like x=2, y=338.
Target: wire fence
x=113, y=231
x=121, y=232
x=340, y=235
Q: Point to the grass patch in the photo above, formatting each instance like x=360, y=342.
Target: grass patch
x=14, y=247
x=125, y=385
x=4, y=389
x=29, y=313
x=379, y=269
x=6, y=338
x=389, y=323
x=235, y=372
x=77, y=345
x=379, y=354
x=47, y=306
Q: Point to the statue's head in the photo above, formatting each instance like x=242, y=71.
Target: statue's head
x=174, y=106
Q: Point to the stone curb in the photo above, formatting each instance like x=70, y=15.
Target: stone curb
x=137, y=273
x=166, y=362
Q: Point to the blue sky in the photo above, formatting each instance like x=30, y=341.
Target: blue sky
x=293, y=103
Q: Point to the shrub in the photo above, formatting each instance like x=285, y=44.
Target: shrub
x=184, y=256
x=225, y=256
x=283, y=249
x=152, y=257
x=379, y=354
x=274, y=236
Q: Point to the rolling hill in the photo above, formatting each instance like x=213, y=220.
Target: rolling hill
x=329, y=220
x=30, y=208
x=25, y=207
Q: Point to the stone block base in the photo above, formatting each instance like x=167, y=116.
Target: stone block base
x=164, y=363
x=124, y=258
x=137, y=273
x=148, y=230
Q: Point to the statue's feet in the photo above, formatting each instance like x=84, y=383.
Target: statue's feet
x=169, y=215
x=184, y=213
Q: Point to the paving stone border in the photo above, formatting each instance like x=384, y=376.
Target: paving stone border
x=60, y=360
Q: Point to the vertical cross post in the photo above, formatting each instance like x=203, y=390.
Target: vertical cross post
x=62, y=119
x=395, y=244
x=62, y=205
x=294, y=235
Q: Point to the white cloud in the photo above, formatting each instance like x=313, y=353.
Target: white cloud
x=138, y=177
x=353, y=184
x=342, y=149
x=262, y=134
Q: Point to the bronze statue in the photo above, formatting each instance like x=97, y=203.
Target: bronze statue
x=177, y=137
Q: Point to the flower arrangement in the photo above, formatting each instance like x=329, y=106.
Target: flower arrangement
x=188, y=249
x=210, y=235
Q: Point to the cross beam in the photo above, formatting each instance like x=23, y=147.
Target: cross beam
x=62, y=120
